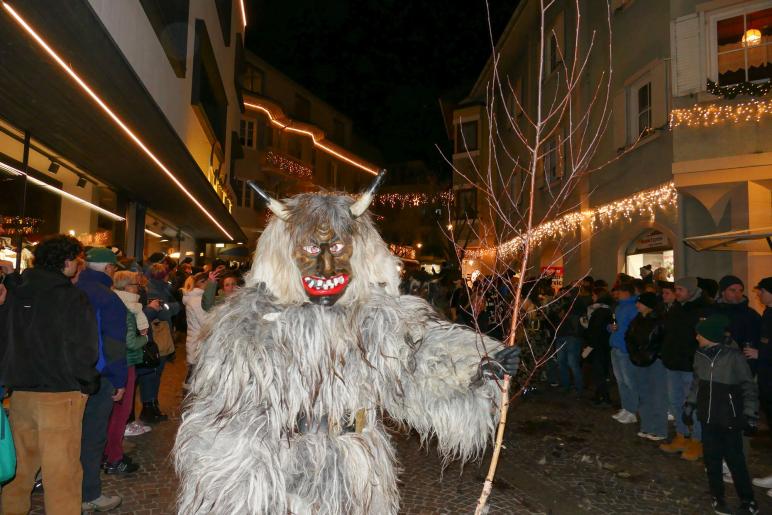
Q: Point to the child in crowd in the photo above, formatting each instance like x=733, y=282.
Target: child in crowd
x=727, y=401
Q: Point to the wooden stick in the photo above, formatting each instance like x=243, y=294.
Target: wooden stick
x=486, y=491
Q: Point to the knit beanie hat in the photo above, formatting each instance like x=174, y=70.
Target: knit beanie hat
x=765, y=284
x=713, y=328
x=727, y=281
x=101, y=255
x=690, y=283
x=648, y=299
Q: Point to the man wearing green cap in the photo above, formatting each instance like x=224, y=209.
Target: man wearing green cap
x=727, y=402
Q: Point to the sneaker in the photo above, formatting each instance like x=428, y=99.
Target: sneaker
x=628, y=418
x=102, y=503
x=121, y=467
x=136, y=429
x=619, y=414
x=748, y=508
x=763, y=482
x=720, y=507
x=641, y=434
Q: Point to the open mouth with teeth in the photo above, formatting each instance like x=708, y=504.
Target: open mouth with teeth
x=320, y=286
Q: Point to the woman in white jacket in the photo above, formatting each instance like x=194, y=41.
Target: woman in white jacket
x=192, y=293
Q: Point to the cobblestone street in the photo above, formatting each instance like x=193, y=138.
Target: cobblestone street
x=562, y=457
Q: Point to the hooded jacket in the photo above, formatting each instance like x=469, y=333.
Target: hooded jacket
x=680, y=341
x=723, y=389
x=111, y=317
x=48, y=336
x=599, y=318
x=644, y=339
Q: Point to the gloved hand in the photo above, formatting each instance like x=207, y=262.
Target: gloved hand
x=687, y=415
x=751, y=426
x=505, y=361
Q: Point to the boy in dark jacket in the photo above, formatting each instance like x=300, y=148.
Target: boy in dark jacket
x=727, y=403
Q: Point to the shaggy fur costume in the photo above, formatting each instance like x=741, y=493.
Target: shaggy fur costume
x=280, y=380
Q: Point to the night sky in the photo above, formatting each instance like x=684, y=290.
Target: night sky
x=384, y=63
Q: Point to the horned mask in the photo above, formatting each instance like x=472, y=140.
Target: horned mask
x=322, y=234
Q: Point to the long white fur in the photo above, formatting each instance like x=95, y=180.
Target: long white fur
x=270, y=358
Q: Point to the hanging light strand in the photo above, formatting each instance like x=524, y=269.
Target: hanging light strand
x=716, y=114
x=644, y=203
x=403, y=200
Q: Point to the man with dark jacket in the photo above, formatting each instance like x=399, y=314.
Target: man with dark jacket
x=764, y=355
x=744, y=321
x=678, y=350
x=727, y=402
x=599, y=317
x=48, y=352
x=96, y=281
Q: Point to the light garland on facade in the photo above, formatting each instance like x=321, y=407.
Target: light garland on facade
x=402, y=251
x=403, y=200
x=644, y=203
x=288, y=165
x=715, y=114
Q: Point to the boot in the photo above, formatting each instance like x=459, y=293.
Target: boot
x=678, y=444
x=148, y=414
x=693, y=451
x=160, y=416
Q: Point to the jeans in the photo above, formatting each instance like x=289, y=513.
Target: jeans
x=624, y=374
x=149, y=381
x=569, y=358
x=46, y=432
x=95, y=419
x=678, y=385
x=722, y=444
x=652, y=389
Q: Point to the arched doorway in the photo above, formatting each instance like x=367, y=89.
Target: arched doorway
x=651, y=249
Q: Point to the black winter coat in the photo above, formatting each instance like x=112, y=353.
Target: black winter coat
x=723, y=389
x=48, y=336
x=680, y=342
x=644, y=339
x=601, y=316
x=765, y=355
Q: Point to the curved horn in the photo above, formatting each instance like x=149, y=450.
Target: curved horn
x=363, y=202
x=274, y=205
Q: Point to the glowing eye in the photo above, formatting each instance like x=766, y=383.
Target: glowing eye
x=336, y=247
x=312, y=249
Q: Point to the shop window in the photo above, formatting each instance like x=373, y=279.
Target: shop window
x=253, y=80
x=467, y=136
x=639, y=102
x=466, y=204
x=649, y=252
x=225, y=14
x=302, y=109
x=247, y=133
x=208, y=96
x=169, y=19
x=743, y=44
x=264, y=134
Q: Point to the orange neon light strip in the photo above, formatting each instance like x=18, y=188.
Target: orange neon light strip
x=243, y=13
x=319, y=144
x=110, y=113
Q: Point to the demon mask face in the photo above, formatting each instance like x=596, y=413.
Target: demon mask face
x=324, y=261
x=324, y=240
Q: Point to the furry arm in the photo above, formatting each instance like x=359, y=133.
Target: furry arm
x=439, y=396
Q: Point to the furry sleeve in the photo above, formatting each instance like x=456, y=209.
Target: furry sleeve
x=439, y=394
x=227, y=450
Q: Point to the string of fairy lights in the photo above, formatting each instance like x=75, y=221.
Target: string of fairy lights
x=403, y=200
x=288, y=165
x=402, y=251
x=715, y=114
x=644, y=203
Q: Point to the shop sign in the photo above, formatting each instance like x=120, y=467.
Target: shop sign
x=556, y=273
x=651, y=240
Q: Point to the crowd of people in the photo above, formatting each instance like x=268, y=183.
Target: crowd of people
x=692, y=352
x=81, y=333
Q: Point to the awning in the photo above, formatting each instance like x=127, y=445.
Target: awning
x=746, y=240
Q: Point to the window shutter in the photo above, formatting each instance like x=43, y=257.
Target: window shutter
x=659, y=96
x=620, y=119
x=685, y=48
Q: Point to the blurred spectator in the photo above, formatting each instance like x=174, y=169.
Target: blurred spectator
x=599, y=317
x=624, y=313
x=192, y=294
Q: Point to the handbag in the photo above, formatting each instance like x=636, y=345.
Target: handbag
x=7, y=449
x=151, y=358
x=162, y=336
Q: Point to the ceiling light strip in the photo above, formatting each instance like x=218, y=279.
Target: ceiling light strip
x=243, y=13
x=62, y=193
x=324, y=147
x=151, y=233
x=110, y=113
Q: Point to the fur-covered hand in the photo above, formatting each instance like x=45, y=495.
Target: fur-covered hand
x=506, y=361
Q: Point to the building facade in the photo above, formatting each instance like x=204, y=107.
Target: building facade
x=118, y=120
x=674, y=162
x=291, y=141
